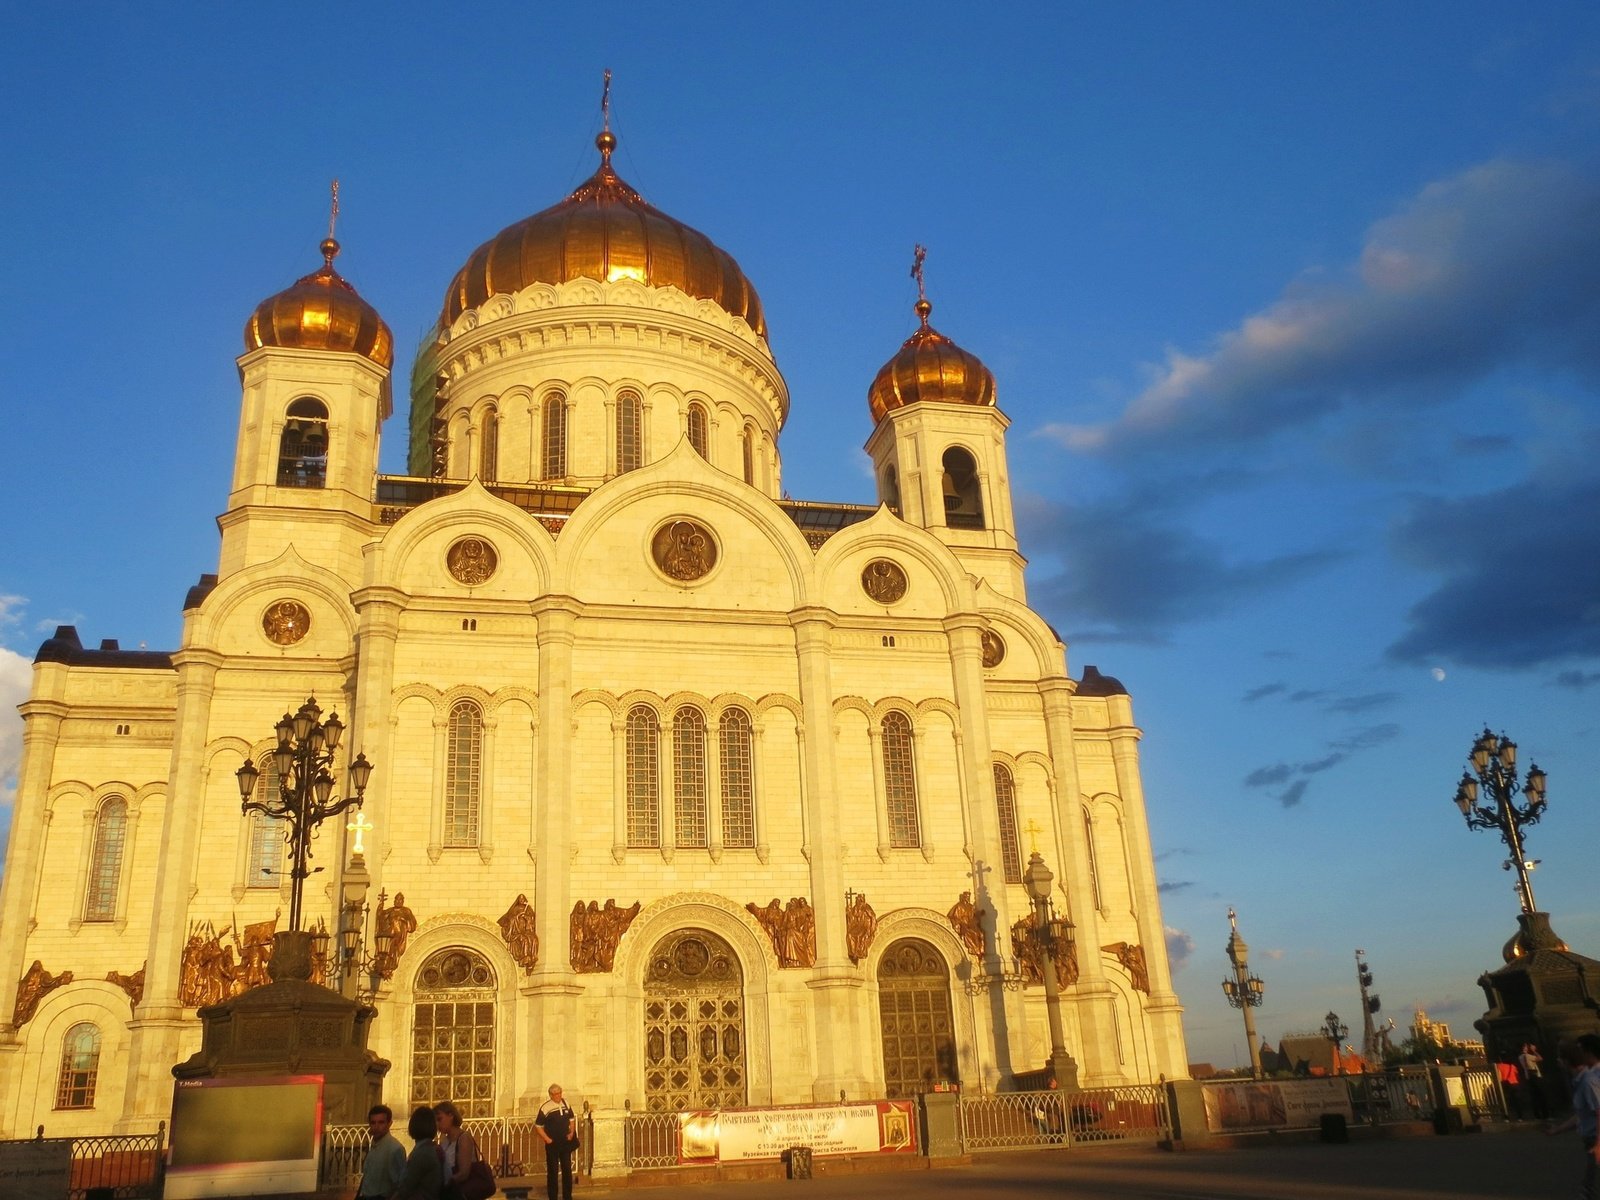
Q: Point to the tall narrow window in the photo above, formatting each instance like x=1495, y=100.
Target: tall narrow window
x=749, y=455
x=489, y=459
x=643, y=751
x=630, y=433
x=105, y=861
x=738, y=780
x=264, y=859
x=463, y=774
x=689, y=777
x=303, y=448
x=1094, y=858
x=963, y=494
x=891, y=487
x=80, y=1067
x=699, y=436
x=900, y=781
x=1005, y=799
x=555, y=436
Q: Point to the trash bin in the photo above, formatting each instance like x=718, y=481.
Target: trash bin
x=1334, y=1128
x=798, y=1159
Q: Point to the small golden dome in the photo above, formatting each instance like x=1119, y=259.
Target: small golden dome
x=321, y=312
x=606, y=231
x=930, y=367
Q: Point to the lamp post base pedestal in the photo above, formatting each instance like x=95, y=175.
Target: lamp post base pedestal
x=1065, y=1069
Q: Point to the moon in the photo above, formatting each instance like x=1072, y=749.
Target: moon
x=1438, y=674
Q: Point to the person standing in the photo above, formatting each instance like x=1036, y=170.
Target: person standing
x=557, y=1126
x=1582, y=1060
x=424, y=1173
x=1528, y=1062
x=386, y=1160
x=458, y=1148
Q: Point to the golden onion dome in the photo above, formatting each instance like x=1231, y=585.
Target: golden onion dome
x=605, y=231
x=321, y=312
x=930, y=367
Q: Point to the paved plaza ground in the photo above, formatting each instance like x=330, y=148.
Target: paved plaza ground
x=1514, y=1163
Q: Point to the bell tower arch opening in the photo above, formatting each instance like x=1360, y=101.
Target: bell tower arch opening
x=694, y=1035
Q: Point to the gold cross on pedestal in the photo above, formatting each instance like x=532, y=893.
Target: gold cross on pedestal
x=359, y=825
x=1032, y=830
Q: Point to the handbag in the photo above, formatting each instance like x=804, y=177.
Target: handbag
x=479, y=1183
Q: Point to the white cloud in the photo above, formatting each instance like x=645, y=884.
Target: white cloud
x=11, y=609
x=1180, y=946
x=16, y=676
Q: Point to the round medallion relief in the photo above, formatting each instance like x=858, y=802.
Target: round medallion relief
x=994, y=648
x=285, y=622
x=684, y=550
x=471, y=561
x=884, y=581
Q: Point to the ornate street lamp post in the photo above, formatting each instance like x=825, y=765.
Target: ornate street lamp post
x=1335, y=1033
x=1494, y=776
x=1244, y=991
x=1052, y=932
x=303, y=759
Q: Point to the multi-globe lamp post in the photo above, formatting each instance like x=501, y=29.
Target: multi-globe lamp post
x=1487, y=796
x=303, y=762
x=1054, y=935
x=1335, y=1031
x=1244, y=991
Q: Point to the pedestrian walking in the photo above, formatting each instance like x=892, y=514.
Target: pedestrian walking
x=1582, y=1060
x=557, y=1126
x=385, y=1163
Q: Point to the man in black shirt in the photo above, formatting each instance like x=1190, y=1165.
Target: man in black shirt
x=557, y=1126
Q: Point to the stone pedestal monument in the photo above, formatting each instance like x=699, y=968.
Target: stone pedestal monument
x=292, y=1026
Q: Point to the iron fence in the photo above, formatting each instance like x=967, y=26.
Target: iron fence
x=650, y=1139
x=1387, y=1097
x=125, y=1166
x=1023, y=1120
x=511, y=1145
x=1485, y=1095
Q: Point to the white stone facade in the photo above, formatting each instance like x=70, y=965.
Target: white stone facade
x=577, y=627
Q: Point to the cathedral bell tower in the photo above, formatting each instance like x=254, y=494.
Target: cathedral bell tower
x=939, y=450
x=315, y=382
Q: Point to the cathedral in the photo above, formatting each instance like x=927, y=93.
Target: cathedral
x=683, y=793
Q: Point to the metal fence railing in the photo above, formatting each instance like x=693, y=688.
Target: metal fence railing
x=650, y=1139
x=1485, y=1095
x=511, y=1145
x=1386, y=1097
x=1022, y=1120
x=130, y=1166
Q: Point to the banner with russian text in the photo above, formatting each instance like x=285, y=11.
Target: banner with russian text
x=876, y=1127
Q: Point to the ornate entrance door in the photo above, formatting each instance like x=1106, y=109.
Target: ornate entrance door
x=452, y=1037
x=693, y=1024
x=919, y=1044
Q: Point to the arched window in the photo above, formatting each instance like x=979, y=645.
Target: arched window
x=1005, y=799
x=489, y=458
x=916, y=1021
x=630, y=433
x=303, y=448
x=643, y=751
x=463, y=774
x=105, y=861
x=699, y=436
x=1094, y=858
x=738, y=780
x=689, y=777
x=900, y=781
x=264, y=856
x=555, y=436
x=453, y=1033
x=963, y=497
x=891, y=487
x=80, y=1067
x=749, y=455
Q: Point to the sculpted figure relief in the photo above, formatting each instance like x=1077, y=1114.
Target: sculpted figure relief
x=207, y=973
x=596, y=933
x=1025, y=945
x=519, y=929
x=964, y=920
x=399, y=922
x=883, y=580
x=34, y=987
x=860, y=927
x=684, y=550
x=285, y=622
x=471, y=561
x=994, y=648
x=255, y=952
x=1131, y=956
x=132, y=984
x=792, y=930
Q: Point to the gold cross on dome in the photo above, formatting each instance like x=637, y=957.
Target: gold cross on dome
x=359, y=825
x=333, y=210
x=1032, y=830
x=605, y=102
x=917, y=255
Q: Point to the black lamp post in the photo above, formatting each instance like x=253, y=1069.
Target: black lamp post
x=1336, y=1033
x=1494, y=776
x=1244, y=991
x=303, y=759
x=1053, y=933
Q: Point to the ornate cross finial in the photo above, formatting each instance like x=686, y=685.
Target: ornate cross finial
x=605, y=102
x=917, y=255
x=1032, y=830
x=1233, y=918
x=359, y=825
x=333, y=209
x=329, y=247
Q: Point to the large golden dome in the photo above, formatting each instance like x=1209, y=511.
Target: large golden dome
x=930, y=367
x=606, y=231
x=321, y=312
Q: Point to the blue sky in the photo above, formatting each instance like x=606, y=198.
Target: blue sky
x=1293, y=309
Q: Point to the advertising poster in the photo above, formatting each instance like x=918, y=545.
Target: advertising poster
x=1287, y=1104
x=879, y=1127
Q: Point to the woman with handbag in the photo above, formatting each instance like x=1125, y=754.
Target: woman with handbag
x=467, y=1176
x=557, y=1127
